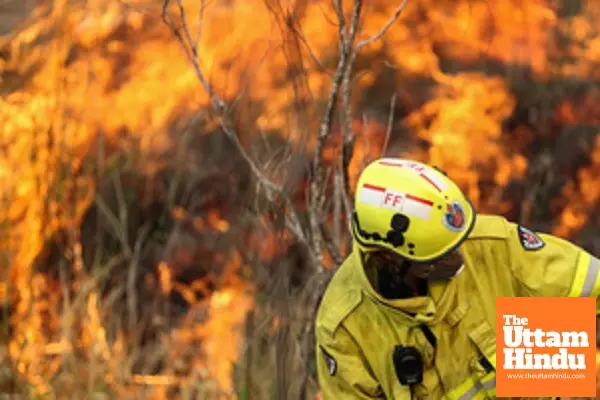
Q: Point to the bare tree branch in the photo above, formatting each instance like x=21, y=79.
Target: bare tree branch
x=312, y=53
x=191, y=52
x=348, y=138
x=339, y=9
x=385, y=27
x=390, y=124
x=200, y=23
x=246, y=85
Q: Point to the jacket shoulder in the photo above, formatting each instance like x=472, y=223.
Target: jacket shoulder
x=490, y=227
x=341, y=298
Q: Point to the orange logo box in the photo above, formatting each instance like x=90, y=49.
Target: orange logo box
x=546, y=346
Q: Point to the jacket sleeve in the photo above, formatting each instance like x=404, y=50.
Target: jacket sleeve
x=342, y=370
x=547, y=266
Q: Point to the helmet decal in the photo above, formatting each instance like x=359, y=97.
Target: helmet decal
x=371, y=194
x=400, y=222
x=454, y=218
x=421, y=170
x=417, y=207
x=395, y=236
x=404, y=203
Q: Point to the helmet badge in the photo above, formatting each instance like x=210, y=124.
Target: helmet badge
x=454, y=218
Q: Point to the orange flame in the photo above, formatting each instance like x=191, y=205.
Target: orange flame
x=165, y=277
x=467, y=146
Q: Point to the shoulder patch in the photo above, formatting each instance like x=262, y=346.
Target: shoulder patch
x=329, y=361
x=529, y=239
x=336, y=311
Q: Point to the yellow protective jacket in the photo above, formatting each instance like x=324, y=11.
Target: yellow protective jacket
x=357, y=329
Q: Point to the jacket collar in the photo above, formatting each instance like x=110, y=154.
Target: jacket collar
x=418, y=310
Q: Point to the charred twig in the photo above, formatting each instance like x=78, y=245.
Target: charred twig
x=200, y=23
x=367, y=42
x=184, y=37
x=383, y=29
x=312, y=53
x=249, y=77
x=390, y=125
x=375, y=37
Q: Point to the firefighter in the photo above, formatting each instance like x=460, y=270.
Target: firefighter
x=411, y=311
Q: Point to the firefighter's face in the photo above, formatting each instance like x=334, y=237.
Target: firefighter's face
x=443, y=269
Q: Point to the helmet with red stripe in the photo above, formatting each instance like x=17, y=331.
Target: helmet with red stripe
x=410, y=208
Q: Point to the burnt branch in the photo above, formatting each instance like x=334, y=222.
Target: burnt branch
x=384, y=28
x=200, y=23
x=312, y=53
x=390, y=124
x=184, y=36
